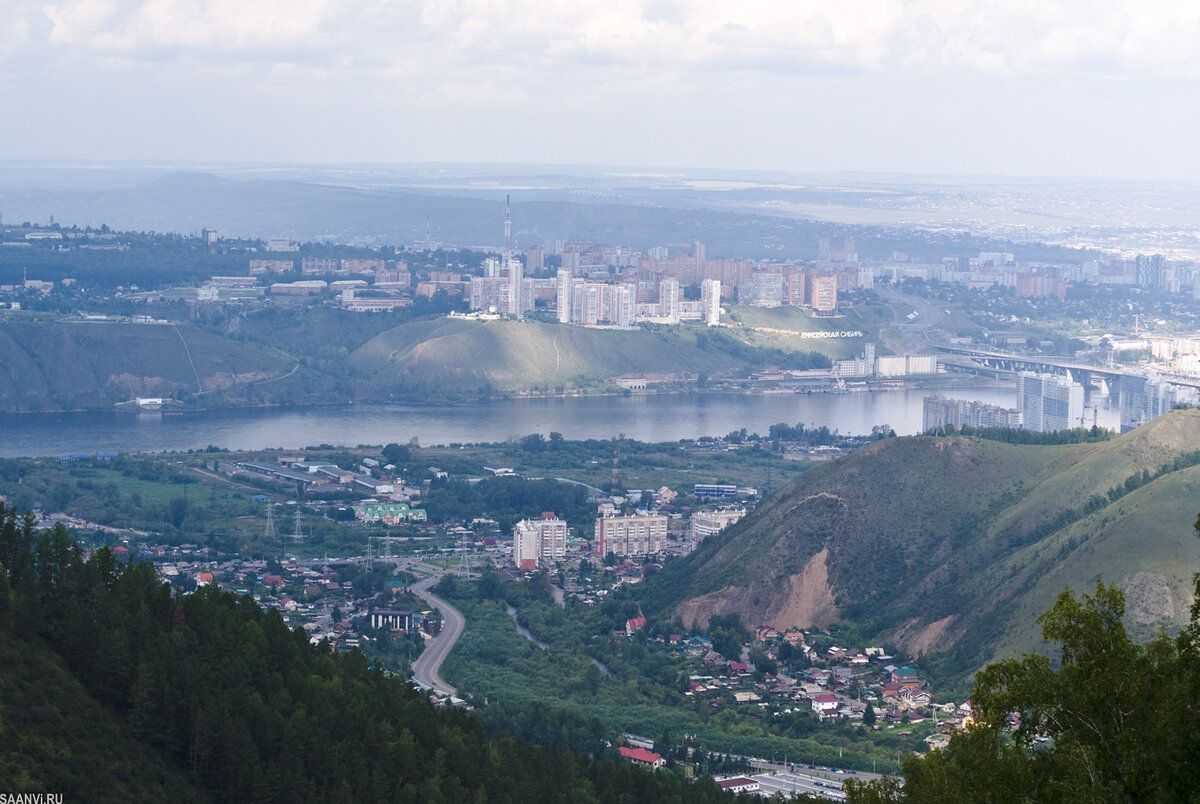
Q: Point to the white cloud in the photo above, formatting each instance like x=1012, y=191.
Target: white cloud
x=786, y=36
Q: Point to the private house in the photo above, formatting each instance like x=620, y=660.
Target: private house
x=640, y=756
x=765, y=633
x=906, y=677
x=825, y=704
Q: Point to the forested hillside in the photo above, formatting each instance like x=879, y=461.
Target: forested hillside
x=950, y=547
x=115, y=690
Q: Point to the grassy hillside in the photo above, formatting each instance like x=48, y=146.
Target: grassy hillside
x=769, y=327
x=468, y=356
x=952, y=546
x=79, y=366
x=274, y=358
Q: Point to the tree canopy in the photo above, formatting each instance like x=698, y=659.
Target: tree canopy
x=1104, y=720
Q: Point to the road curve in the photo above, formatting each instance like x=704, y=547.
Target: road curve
x=425, y=668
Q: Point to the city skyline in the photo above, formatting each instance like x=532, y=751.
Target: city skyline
x=927, y=86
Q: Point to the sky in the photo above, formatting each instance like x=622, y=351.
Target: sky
x=1090, y=88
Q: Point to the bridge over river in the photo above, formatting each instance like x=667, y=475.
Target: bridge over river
x=1086, y=375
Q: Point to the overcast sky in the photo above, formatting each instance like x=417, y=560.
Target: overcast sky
x=1008, y=87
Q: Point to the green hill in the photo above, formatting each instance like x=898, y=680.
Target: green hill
x=90, y=366
x=952, y=546
x=467, y=356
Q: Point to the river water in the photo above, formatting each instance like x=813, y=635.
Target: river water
x=654, y=417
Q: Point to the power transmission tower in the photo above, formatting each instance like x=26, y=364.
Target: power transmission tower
x=269, y=532
x=298, y=536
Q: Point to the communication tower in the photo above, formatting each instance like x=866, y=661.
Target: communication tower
x=507, y=231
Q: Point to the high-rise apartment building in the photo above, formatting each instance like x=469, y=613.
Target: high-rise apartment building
x=539, y=542
x=823, y=293
x=572, y=259
x=637, y=535
x=535, y=259
x=1049, y=402
x=668, y=300
x=793, y=286
x=563, y=296
x=1145, y=397
x=710, y=302
x=941, y=413
x=516, y=289
x=705, y=523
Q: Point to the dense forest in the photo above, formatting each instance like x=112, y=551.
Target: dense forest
x=113, y=689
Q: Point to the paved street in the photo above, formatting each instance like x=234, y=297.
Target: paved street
x=425, y=668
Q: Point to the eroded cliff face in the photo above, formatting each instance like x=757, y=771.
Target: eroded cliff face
x=807, y=600
x=1151, y=600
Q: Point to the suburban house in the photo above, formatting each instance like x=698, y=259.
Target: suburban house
x=825, y=704
x=640, y=756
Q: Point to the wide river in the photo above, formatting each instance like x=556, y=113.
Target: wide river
x=661, y=417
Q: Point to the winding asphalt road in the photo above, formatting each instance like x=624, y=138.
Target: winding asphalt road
x=425, y=668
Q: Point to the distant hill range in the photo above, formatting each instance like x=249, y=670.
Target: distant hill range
x=378, y=207
x=952, y=547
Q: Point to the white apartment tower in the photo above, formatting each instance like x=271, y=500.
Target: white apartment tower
x=539, y=542
x=710, y=301
x=516, y=288
x=668, y=300
x=563, y=296
x=1146, y=397
x=1049, y=402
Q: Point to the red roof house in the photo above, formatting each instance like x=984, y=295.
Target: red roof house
x=642, y=756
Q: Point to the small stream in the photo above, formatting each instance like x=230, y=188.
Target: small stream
x=525, y=632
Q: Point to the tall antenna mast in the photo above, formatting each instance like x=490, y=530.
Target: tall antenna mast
x=507, y=230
